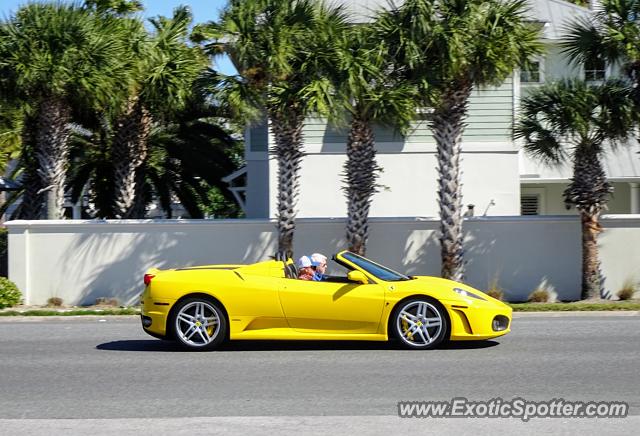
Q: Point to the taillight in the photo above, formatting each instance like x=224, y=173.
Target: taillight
x=147, y=278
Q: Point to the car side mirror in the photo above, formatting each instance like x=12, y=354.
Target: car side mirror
x=358, y=277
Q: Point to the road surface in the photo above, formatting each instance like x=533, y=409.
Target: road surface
x=110, y=369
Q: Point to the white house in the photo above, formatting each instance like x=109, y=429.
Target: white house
x=498, y=178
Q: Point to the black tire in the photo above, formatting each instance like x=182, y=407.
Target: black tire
x=200, y=333
x=400, y=324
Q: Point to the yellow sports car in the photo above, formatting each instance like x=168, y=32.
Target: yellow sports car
x=200, y=307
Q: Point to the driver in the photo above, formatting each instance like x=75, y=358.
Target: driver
x=319, y=263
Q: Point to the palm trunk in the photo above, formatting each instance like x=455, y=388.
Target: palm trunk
x=52, y=149
x=31, y=205
x=589, y=191
x=138, y=209
x=101, y=186
x=129, y=153
x=590, y=263
x=287, y=131
x=361, y=172
x=447, y=124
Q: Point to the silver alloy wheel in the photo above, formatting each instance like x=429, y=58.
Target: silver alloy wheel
x=419, y=323
x=198, y=324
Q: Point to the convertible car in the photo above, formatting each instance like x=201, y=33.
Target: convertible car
x=202, y=306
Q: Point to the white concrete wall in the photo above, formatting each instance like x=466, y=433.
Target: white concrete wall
x=80, y=261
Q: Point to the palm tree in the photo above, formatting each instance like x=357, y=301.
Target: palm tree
x=188, y=154
x=178, y=171
x=117, y=7
x=274, y=44
x=611, y=35
x=11, y=130
x=366, y=91
x=58, y=57
x=32, y=202
x=574, y=121
x=448, y=48
x=165, y=68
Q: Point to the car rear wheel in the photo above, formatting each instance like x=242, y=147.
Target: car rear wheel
x=420, y=323
x=199, y=324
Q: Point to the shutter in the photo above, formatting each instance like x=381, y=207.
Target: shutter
x=530, y=204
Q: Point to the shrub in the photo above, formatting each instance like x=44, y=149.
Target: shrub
x=627, y=290
x=495, y=293
x=494, y=289
x=54, y=302
x=104, y=301
x=543, y=293
x=9, y=293
x=540, y=295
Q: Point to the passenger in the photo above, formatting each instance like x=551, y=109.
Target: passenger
x=305, y=271
x=319, y=264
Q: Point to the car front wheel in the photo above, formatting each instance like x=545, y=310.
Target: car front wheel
x=420, y=323
x=199, y=324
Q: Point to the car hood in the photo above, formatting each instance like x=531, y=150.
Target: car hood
x=446, y=290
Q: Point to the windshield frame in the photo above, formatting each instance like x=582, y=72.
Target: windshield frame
x=378, y=271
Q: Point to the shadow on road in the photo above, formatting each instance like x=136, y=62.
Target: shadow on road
x=140, y=345
x=469, y=345
x=167, y=346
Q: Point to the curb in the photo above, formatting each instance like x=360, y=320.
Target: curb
x=97, y=318
x=578, y=313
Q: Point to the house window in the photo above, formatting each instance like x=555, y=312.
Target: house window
x=532, y=73
x=530, y=204
x=595, y=70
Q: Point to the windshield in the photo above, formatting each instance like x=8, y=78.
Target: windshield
x=381, y=272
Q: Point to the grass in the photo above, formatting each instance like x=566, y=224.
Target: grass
x=71, y=312
x=577, y=306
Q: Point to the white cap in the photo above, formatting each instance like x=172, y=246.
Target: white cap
x=304, y=262
x=318, y=259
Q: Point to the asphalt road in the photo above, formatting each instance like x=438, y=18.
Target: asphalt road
x=110, y=369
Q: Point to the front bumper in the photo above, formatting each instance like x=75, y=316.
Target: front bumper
x=479, y=321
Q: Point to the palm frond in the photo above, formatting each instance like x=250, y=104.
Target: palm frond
x=559, y=118
x=610, y=35
x=453, y=43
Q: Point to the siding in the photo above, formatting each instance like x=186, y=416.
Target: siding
x=490, y=119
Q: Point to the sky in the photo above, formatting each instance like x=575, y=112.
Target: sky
x=203, y=10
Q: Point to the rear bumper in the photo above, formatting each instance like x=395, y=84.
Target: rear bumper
x=154, y=315
x=150, y=332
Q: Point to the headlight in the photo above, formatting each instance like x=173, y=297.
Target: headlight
x=468, y=294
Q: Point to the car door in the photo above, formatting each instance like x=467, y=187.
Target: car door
x=332, y=307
